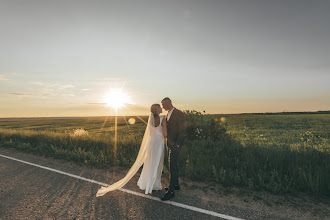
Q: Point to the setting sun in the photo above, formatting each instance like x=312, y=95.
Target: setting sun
x=116, y=98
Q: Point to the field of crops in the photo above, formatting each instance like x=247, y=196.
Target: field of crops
x=278, y=153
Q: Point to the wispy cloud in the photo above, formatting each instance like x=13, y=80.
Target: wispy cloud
x=3, y=78
x=96, y=103
x=19, y=94
x=7, y=76
x=67, y=86
x=53, y=90
x=37, y=83
x=16, y=74
x=57, y=86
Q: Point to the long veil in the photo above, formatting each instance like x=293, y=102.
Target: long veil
x=138, y=162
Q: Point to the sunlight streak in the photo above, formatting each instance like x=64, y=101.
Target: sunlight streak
x=142, y=120
x=126, y=122
x=105, y=120
x=116, y=132
x=116, y=99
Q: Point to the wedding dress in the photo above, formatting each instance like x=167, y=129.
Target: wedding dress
x=150, y=178
x=151, y=156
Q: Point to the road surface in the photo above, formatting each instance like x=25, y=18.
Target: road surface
x=36, y=187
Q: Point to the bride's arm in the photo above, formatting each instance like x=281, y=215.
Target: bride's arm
x=164, y=128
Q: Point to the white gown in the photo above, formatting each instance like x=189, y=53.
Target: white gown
x=150, y=178
x=151, y=156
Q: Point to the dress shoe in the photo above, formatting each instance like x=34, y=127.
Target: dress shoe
x=177, y=187
x=167, y=196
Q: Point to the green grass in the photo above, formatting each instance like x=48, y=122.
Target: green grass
x=279, y=129
x=278, y=153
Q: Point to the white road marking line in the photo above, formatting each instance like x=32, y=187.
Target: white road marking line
x=204, y=211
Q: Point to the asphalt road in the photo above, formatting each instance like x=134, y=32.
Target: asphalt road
x=29, y=192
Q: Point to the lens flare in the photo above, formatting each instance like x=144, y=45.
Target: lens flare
x=131, y=121
x=223, y=119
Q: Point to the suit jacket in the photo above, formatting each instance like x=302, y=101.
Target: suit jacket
x=176, y=129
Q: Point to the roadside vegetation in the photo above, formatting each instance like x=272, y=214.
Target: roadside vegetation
x=278, y=153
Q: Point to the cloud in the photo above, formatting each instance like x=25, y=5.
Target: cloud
x=37, y=83
x=66, y=86
x=16, y=74
x=53, y=89
x=96, y=103
x=3, y=78
x=53, y=85
x=19, y=94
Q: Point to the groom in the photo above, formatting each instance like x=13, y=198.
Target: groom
x=175, y=136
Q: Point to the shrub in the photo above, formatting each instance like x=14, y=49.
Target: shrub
x=201, y=127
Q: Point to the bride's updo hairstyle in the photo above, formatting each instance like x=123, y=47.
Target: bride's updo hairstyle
x=154, y=109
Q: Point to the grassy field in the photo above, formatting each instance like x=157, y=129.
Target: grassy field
x=290, y=130
x=278, y=153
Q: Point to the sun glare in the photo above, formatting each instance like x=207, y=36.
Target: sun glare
x=116, y=98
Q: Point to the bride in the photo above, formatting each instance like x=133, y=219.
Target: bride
x=151, y=156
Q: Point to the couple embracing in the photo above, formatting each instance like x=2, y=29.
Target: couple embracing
x=151, y=153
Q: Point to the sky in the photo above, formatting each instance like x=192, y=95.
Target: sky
x=61, y=58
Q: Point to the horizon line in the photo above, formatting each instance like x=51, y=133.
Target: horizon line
x=243, y=113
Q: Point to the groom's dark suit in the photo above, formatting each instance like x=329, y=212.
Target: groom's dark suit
x=175, y=137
